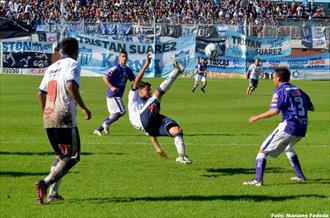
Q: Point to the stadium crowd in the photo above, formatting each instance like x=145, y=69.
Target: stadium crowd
x=165, y=11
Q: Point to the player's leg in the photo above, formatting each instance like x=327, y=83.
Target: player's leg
x=273, y=145
x=116, y=110
x=169, y=127
x=66, y=140
x=204, y=82
x=54, y=188
x=166, y=84
x=254, y=85
x=197, y=79
x=294, y=161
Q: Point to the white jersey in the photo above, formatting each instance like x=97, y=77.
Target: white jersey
x=255, y=71
x=135, y=106
x=60, y=109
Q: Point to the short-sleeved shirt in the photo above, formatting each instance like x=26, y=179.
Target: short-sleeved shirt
x=135, y=107
x=201, y=68
x=293, y=104
x=118, y=76
x=144, y=115
x=60, y=109
x=255, y=71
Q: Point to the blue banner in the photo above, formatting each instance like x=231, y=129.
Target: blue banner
x=241, y=46
x=99, y=54
x=239, y=65
x=27, y=46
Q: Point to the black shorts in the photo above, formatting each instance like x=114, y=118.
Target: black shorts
x=253, y=83
x=155, y=123
x=65, y=142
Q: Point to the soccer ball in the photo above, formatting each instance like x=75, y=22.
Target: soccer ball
x=211, y=51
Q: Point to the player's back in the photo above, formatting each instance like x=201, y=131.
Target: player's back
x=295, y=105
x=60, y=108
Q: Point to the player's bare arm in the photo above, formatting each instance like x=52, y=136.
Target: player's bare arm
x=73, y=91
x=42, y=100
x=267, y=114
x=157, y=147
x=140, y=75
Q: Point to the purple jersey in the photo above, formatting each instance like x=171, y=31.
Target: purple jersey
x=293, y=104
x=201, y=68
x=118, y=77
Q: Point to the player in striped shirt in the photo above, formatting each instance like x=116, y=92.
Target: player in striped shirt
x=144, y=112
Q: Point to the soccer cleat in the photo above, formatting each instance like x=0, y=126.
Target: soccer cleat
x=98, y=133
x=193, y=90
x=55, y=197
x=203, y=90
x=106, y=128
x=183, y=160
x=41, y=191
x=298, y=179
x=177, y=65
x=253, y=183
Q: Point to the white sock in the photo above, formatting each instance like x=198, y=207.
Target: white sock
x=179, y=143
x=166, y=84
x=54, y=188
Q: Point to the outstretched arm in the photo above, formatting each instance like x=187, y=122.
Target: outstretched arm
x=157, y=147
x=140, y=75
x=267, y=114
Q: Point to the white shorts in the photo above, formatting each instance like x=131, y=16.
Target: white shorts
x=115, y=105
x=200, y=77
x=279, y=141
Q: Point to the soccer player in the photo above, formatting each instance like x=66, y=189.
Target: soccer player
x=253, y=74
x=116, y=82
x=293, y=103
x=201, y=73
x=58, y=95
x=144, y=112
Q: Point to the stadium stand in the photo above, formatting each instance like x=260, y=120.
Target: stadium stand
x=32, y=12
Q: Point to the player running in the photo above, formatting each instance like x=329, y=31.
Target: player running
x=201, y=73
x=116, y=82
x=144, y=112
x=294, y=104
x=58, y=95
x=253, y=74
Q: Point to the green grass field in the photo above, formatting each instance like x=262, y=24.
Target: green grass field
x=121, y=176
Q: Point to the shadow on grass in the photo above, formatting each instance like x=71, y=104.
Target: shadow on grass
x=52, y=153
x=234, y=171
x=21, y=174
x=216, y=134
x=254, y=198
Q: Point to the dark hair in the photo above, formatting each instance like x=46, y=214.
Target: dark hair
x=69, y=46
x=258, y=59
x=144, y=84
x=283, y=73
x=123, y=52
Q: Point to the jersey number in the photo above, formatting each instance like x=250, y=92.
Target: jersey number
x=300, y=106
